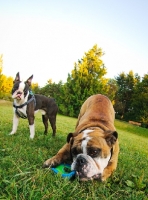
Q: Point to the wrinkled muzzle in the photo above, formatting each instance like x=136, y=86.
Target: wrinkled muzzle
x=86, y=168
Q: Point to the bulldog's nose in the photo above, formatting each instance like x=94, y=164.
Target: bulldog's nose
x=81, y=160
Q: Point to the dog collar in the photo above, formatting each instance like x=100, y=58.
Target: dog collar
x=20, y=114
x=90, y=128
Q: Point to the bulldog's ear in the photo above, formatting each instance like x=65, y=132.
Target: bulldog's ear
x=17, y=77
x=29, y=80
x=111, y=138
x=69, y=136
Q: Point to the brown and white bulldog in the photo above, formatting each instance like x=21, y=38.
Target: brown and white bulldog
x=93, y=147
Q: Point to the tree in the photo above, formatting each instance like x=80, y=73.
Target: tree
x=35, y=87
x=6, y=87
x=112, y=90
x=123, y=99
x=6, y=83
x=86, y=79
x=140, y=102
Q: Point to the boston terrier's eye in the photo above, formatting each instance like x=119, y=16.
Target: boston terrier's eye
x=94, y=152
x=26, y=89
x=15, y=87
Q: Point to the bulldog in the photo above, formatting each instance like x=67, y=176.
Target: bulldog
x=93, y=147
x=26, y=104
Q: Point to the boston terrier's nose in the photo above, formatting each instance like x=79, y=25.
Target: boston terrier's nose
x=19, y=92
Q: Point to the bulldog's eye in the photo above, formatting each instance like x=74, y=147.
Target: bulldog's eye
x=74, y=151
x=94, y=152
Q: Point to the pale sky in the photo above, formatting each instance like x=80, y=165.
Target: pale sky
x=46, y=37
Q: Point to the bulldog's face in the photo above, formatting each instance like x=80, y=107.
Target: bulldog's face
x=20, y=89
x=91, y=152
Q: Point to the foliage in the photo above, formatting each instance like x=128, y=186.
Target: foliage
x=140, y=101
x=86, y=79
x=112, y=89
x=51, y=89
x=35, y=87
x=131, y=98
x=5, y=83
x=123, y=98
x=128, y=92
x=22, y=176
x=55, y=91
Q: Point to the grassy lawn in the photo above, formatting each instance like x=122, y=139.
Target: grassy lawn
x=21, y=159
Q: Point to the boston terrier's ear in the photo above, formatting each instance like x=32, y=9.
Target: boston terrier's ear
x=29, y=80
x=17, y=78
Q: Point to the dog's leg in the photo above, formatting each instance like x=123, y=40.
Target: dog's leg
x=52, y=120
x=31, y=126
x=15, y=124
x=32, y=131
x=45, y=122
x=112, y=165
x=62, y=156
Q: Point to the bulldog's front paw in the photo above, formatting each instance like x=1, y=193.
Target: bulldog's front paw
x=103, y=178
x=106, y=174
x=54, y=161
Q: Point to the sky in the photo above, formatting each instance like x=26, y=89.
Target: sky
x=45, y=38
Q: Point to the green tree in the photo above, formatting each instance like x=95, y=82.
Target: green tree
x=55, y=91
x=112, y=90
x=140, y=102
x=86, y=79
x=124, y=94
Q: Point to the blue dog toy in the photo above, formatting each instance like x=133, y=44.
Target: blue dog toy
x=64, y=170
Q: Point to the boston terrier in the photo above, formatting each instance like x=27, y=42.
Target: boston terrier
x=26, y=104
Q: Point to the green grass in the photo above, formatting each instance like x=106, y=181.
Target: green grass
x=21, y=159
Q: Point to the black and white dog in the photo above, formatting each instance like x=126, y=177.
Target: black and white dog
x=26, y=105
